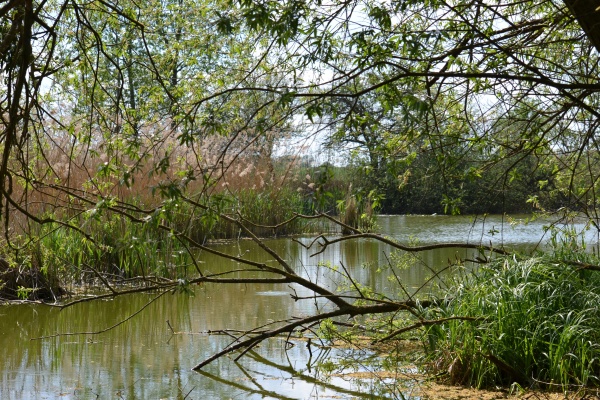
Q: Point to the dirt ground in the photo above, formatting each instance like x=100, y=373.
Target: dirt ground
x=415, y=385
x=435, y=391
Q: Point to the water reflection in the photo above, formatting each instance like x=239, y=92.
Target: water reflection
x=290, y=378
x=142, y=359
x=502, y=231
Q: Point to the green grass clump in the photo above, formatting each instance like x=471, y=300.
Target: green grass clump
x=260, y=211
x=117, y=247
x=271, y=207
x=537, y=323
x=120, y=248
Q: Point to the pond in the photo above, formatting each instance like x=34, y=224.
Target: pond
x=151, y=355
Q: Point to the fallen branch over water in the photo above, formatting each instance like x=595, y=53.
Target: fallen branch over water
x=350, y=311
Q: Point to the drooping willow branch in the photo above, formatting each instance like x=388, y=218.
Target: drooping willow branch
x=158, y=296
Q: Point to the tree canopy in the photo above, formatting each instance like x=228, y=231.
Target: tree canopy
x=470, y=83
x=122, y=111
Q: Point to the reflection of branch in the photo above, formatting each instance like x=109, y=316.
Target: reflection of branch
x=307, y=378
x=267, y=393
x=106, y=329
x=287, y=369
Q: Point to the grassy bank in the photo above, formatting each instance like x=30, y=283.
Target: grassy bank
x=536, y=323
x=54, y=256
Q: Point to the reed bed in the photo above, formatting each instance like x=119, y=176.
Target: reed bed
x=92, y=184
x=261, y=211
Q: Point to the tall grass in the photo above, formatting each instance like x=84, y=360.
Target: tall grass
x=119, y=248
x=260, y=210
x=539, y=324
x=126, y=249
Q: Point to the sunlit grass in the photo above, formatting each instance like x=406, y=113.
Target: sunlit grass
x=120, y=248
x=539, y=325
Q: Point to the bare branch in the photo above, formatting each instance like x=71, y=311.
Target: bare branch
x=325, y=242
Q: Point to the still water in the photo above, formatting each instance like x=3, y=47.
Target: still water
x=144, y=359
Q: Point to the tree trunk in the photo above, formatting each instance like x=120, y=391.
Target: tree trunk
x=587, y=13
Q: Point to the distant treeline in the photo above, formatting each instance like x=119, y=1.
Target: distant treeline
x=426, y=187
